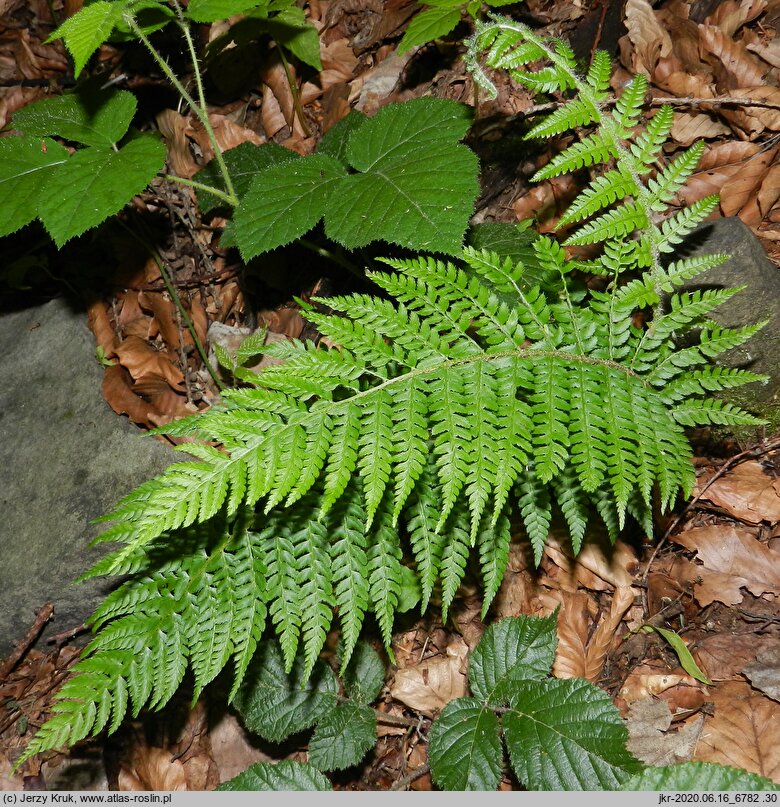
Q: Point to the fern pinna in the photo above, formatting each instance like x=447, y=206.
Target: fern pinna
x=462, y=401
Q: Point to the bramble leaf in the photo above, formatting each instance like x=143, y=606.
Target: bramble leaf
x=566, y=735
x=365, y=674
x=27, y=165
x=284, y=202
x=88, y=29
x=276, y=704
x=96, y=183
x=284, y=775
x=429, y=24
x=464, y=747
x=213, y=10
x=243, y=162
x=516, y=649
x=416, y=184
x=698, y=776
x=343, y=737
x=93, y=118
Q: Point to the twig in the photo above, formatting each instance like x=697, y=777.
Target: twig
x=416, y=774
x=43, y=615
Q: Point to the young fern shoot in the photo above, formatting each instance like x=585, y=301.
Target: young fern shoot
x=462, y=400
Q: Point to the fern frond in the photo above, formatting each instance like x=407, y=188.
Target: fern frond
x=715, y=411
x=493, y=545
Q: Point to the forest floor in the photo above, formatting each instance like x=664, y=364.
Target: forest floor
x=711, y=574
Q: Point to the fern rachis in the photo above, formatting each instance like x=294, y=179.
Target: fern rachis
x=463, y=399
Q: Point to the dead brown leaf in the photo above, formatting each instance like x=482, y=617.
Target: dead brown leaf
x=430, y=685
x=764, y=673
x=681, y=691
x=118, y=393
x=100, y=325
x=177, y=131
x=741, y=69
x=731, y=15
x=603, y=637
x=650, y=741
x=760, y=205
x=747, y=493
x=651, y=42
x=599, y=566
x=744, y=732
x=574, y=623
x=688, y=128
x=730, y=559
x=723, y=656
x=729, y=162
x=141, y=359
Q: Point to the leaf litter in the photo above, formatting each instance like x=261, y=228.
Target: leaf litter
x=715, y=583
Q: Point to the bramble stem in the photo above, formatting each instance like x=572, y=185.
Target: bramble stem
x=191, y=183
x=293, y=91
x=199, y=109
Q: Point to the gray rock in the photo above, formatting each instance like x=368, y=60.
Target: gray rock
x=65, y=458
x=748, y=266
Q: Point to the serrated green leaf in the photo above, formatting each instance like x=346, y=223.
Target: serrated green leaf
x=334, y=141
x=416, y=186
x=566, y=735
x=687, y=661
x=284, y=202
x=244, y=163
x=284, y=775
x=96, y=183
x=290, y=29
x=464, y=747
x=276, y=704
x=149, y=15
x=698, y=776
x=429, y=24
x=343, y=737
x=88, y=29
x=27, y=165
x=365, y=674
x=514, y=649
x=213, y=10
x=97, y=118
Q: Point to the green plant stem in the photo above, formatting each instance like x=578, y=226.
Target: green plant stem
x=294, y=91
x=198, y=108
x=191, y=183
x=190, y=325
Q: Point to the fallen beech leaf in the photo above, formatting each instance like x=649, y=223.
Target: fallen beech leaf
x=747, y=493
x=176, y=130
x=741, y=67
x=599, y=565
x=734, y=553
x=728, y=169
x=430, y=685
x=651, y=41
x=164, y=311
x=150, y=768
x=602, y=639
x=100, y=325
x=758, y=207
x=140, y=359
x=688, y=128
x=573, y=629
x=744, y=732
x=648, y=722
x=764, y=673
x=724, y=656
x=647, y=680
x=769, y=117
x=120, y=397
x=731, y=15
